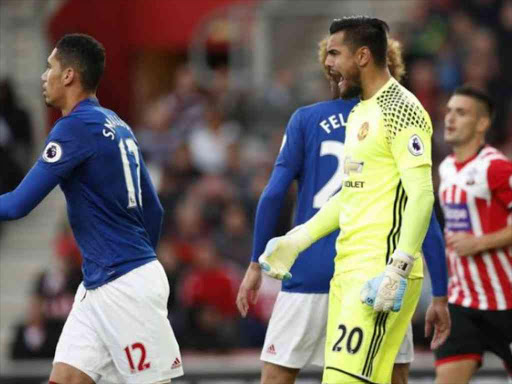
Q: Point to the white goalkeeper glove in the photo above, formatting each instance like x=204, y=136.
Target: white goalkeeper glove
x=386, y=291
x=281, y=252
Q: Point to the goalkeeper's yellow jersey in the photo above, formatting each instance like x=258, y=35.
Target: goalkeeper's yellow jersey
x=385, y=134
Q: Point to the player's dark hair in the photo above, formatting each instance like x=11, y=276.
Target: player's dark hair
x=479, y=95
x=84, y=54
x=364, y=31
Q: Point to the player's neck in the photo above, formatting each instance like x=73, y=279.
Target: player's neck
x=372, y=81
x=467, y=150
x=73, y=99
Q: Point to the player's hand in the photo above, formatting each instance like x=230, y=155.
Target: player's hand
x=392, y=290
x=386, y=292
x=249, y=289
x=465, y=244
x=438, y=318
x=281, y=252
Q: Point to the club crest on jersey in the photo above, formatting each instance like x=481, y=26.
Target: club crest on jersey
x=52, y=153
x=415, y=145
x=471, y=177
x=363, y=131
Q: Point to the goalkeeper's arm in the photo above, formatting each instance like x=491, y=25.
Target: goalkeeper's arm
x=385, y=292
x=281, y=252
x=417, y=183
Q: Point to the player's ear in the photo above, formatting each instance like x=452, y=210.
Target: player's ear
x=68, y=75
x=363, y=55
x=483, y=124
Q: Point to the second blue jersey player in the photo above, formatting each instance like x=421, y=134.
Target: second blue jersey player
x=118, y=329
x=312, y=153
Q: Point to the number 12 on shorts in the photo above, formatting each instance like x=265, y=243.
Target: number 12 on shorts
x=132, y=350
x=354, y=339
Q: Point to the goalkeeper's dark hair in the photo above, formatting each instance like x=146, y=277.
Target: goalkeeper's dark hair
x=478, y=95
x=364, y=31
x=84, y=54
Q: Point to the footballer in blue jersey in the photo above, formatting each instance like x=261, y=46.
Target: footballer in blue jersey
x=312, y=153
x=118, y=328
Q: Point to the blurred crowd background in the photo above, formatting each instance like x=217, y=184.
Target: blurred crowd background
x=209, y=117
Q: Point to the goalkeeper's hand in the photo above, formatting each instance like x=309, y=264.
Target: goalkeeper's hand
x=281, y=252
x=386, y=291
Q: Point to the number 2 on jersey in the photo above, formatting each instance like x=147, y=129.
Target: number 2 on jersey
x=127, y=168
x=333, y=148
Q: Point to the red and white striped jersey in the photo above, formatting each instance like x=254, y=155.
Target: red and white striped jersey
x=476, y=197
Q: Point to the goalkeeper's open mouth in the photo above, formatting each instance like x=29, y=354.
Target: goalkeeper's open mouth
x=336, y=77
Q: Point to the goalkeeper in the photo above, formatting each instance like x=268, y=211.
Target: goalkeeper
x=382, y=212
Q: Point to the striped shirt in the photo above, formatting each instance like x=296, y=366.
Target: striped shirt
x=476, y=197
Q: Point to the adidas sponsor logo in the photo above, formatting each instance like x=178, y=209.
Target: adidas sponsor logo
x=271, y=350
x=176, y=364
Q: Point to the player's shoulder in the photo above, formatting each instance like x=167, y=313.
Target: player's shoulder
x=494, y=160
x=491, y=154
x=401, y=109
x=68, y=126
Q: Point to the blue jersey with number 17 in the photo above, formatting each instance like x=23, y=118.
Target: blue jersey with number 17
x=311, y=153
x=100, y=169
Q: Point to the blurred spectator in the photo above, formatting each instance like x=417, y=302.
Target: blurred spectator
x=170, y=119
x=50, y=303
x=237, y=104
x=234, y=238
x=429, y=30
x=210, y=140
x=15, y=138
x=423, y=83
x=212, y=193
x=154, y=136
x=208, y=295
x=504, y=37
x=186, y=104
x=188, y=229
x=178, y=176
x=173, y=269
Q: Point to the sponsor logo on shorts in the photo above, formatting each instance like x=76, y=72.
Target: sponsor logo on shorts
x=271, y=350
x=176, y=364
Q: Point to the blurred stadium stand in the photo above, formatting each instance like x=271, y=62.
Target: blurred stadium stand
x=168, y=63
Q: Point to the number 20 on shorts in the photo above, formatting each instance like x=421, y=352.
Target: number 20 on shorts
x=354, y=340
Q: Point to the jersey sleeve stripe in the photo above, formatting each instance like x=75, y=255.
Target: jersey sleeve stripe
x=394, y=233
x=401, y=209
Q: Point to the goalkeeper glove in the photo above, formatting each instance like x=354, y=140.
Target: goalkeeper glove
x=386, y=291
x=281, y=252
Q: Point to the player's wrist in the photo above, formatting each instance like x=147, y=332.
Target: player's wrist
x=300, y=238
x=400, y=263
x=440, y=300
x=254, y=266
